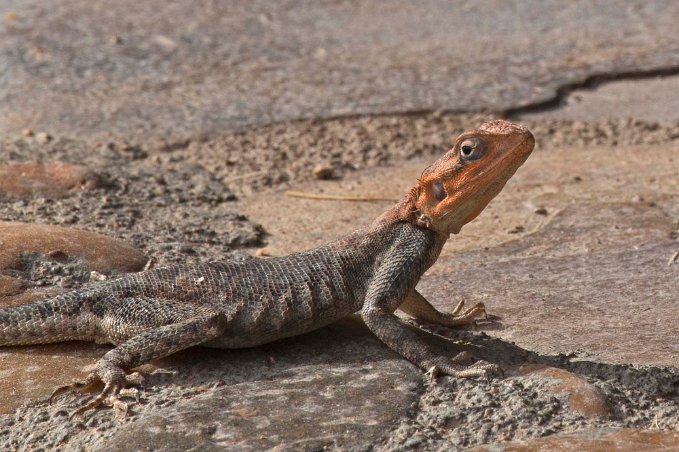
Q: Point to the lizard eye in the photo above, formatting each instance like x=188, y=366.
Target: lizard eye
x=472, y=149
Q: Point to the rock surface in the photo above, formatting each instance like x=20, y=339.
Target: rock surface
x=90, y=68
x=593, y=356
x=52, y=180
x=621, y=440
x=582, y=397
x=169, y=208
x=21, y=241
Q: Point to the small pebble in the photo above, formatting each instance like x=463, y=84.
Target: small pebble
x=43, y=137
x=322, y=171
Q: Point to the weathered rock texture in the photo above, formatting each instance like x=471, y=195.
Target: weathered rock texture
x=143, y=69
x=21, y=241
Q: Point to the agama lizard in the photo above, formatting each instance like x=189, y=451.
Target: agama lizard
x=374, y=270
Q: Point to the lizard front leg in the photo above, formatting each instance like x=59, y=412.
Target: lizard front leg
x=151, y=344
x=390, y=330
x=389, y=289
x=415, y=305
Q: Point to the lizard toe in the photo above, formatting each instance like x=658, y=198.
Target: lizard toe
x=458, y=308
x=111, y=396
x=454, y=368
x=461, y=316
x=75, y=386
x=109, y=390
x=134, y=379
x=487, y=368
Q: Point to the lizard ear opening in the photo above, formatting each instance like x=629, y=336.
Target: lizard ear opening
x=439, y=190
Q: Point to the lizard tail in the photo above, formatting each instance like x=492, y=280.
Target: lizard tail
x=55, y=320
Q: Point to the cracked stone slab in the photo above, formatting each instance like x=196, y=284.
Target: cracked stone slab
x=342, y=406
x=148, y=69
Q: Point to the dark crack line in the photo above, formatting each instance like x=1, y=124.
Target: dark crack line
x=554, y=102
x=591, y=81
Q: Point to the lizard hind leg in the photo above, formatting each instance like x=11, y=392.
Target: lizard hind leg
x=151, y=344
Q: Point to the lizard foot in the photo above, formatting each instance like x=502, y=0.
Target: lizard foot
x=115, y=384
x=459, y=316
x=114, y=388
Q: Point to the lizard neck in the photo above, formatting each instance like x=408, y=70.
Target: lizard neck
x=406, y=211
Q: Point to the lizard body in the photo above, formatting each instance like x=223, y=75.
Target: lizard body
x=374, y=270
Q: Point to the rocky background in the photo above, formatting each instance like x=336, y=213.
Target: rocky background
x=135, y=134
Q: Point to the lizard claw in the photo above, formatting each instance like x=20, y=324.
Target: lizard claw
x=75, y=386
x=460, y=316
x=458, y=308
x=432, y=373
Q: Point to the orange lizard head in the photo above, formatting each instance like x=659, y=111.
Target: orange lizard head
x=459, y=185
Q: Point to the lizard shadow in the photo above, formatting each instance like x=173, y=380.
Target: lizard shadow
x=658, y=381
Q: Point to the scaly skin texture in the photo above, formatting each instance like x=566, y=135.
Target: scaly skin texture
x=155, y=313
